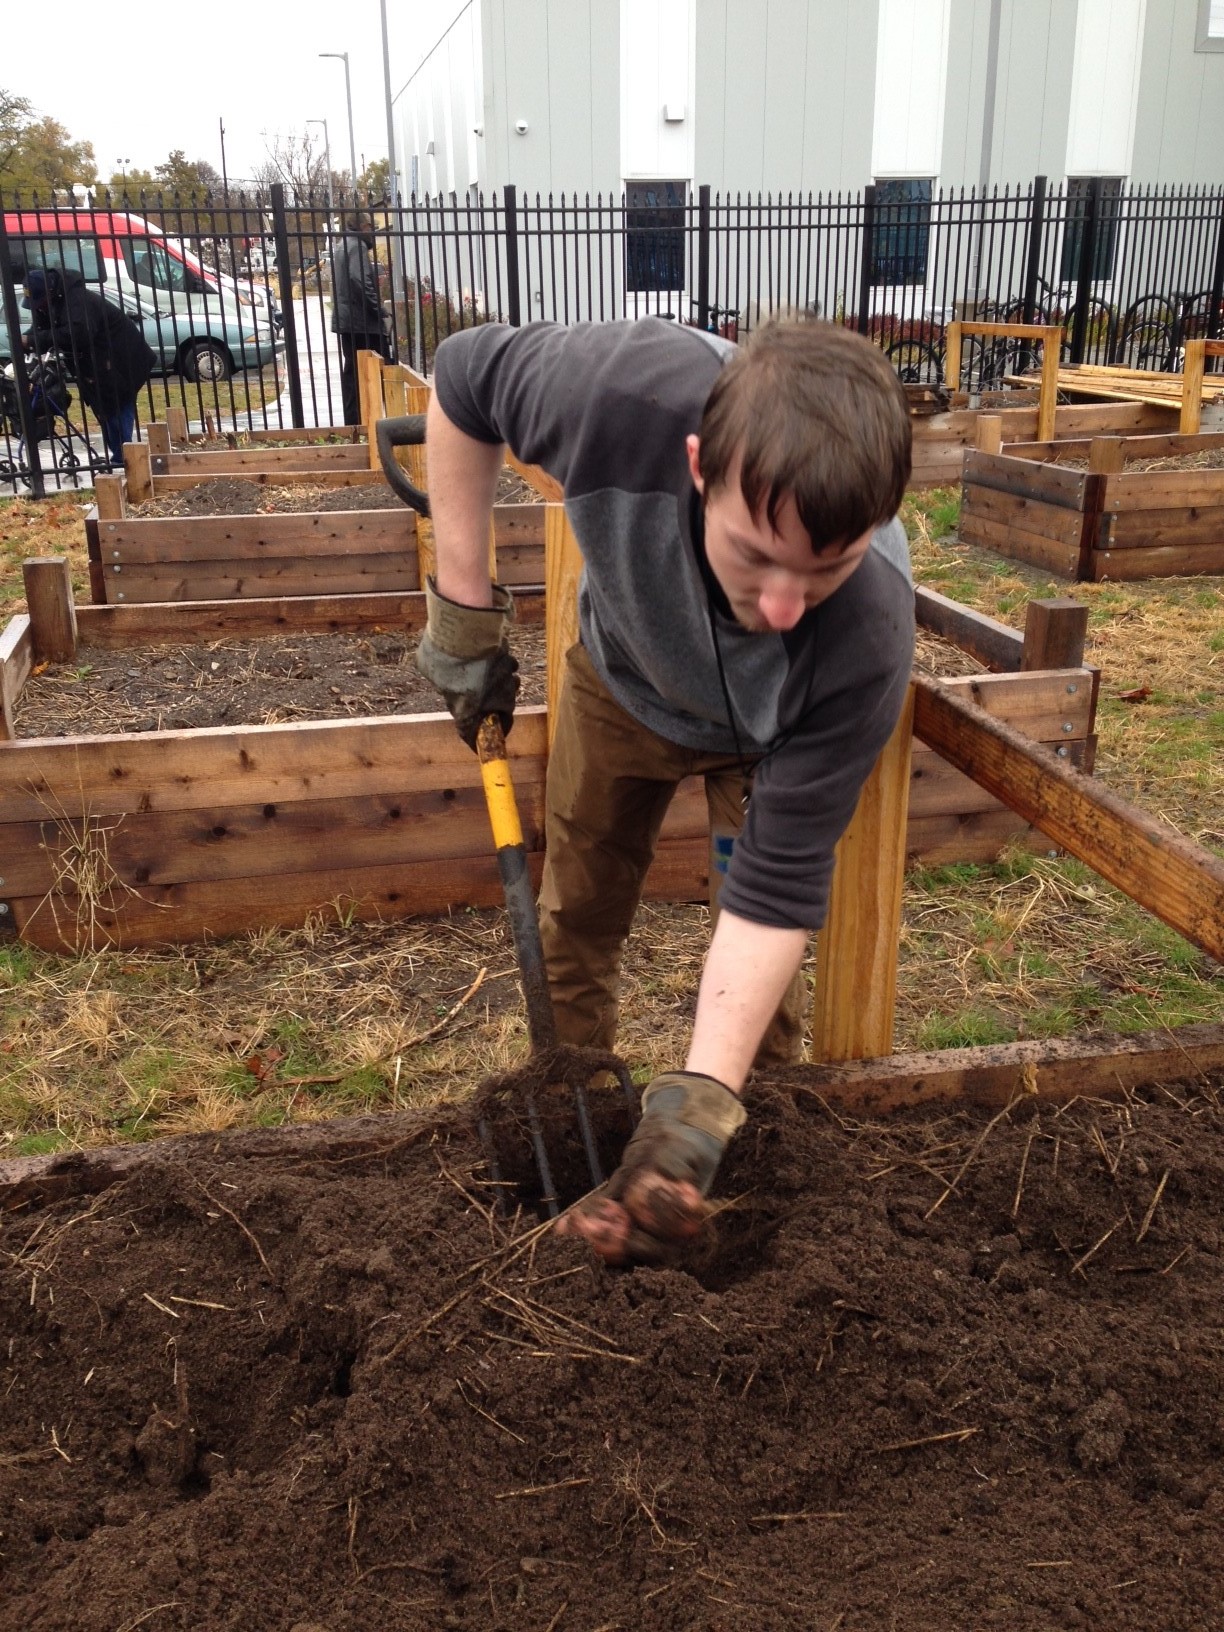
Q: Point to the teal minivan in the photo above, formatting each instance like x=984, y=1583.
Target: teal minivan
x=200, y=323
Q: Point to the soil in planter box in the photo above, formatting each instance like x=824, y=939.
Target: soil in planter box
x=945, y=1370
x=282, y=678
x=1209, y=459
x=245, y=682
x=236, y=496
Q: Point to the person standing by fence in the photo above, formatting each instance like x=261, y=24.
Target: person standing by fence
x=357, y=315
x=102, y=348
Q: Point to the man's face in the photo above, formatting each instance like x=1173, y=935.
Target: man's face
x=770, y=577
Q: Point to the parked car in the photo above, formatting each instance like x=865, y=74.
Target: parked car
x=200, y=323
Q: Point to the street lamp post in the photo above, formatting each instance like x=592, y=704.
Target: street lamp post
x=331, y=206
x=348, y=97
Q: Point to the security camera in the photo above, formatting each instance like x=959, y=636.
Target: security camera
x=521, y=126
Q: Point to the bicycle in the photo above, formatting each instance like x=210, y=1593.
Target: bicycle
x=1155, y=328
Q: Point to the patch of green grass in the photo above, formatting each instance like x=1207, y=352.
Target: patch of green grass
x=37, y=1144
x=969, y=1027
x=16, y=965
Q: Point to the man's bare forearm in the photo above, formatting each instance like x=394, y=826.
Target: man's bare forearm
x=747, y=971
x=462, y=484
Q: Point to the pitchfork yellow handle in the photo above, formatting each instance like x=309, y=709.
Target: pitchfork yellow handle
x=499, y=795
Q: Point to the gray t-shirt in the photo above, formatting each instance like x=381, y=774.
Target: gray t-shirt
x=606, y=408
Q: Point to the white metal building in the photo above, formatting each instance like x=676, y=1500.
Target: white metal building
x=778, y=96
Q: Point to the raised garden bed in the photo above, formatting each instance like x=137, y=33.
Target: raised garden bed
x=1102, y=522
x=942, y=440
x=951, y=1367
x=232, y=536
x=170, y=835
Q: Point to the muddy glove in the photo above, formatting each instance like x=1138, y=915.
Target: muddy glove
x=464, y=653
x=654, y=1202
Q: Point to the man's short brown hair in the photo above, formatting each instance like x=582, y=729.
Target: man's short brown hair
x=813, y=410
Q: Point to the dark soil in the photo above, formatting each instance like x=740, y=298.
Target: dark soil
x=245, y=682
x=287, y=677
x=945, y=1372
x=237, y=496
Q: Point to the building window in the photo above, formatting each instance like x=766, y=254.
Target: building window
x=1210, y=33
x=901, y=232
x=1106, y=228
x=654, y=235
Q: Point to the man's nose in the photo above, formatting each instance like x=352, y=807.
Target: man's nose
x=781, y=601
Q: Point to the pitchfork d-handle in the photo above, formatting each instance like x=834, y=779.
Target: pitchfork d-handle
x=406, y=432
x=516, y=881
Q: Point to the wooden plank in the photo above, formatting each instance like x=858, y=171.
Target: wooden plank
x=856, y=955
x=991, y=642
x=270, y=478
x=1193, y=370
x=163, y=848
x=324, y=456
x=110, y=498
x=938, y=789
x=519, y=524
x=989, y=434
x=158, y=439
x=16, y=661
x=1164, y=490
x=216, y=909
x=1031, y=515
x=48, y=589
x=1020, y=545
x=225, y=538
x=949, y=838
x=118, y=628
x=1175, y=561
x=562, y=575
x=1054, y=634
x=548, y=487
x=1047, y=405
x=259, y=579
x=1196, y=524
x=1058, y=1070
x=1022, y=476
x=138, y=472
x=1177, y=880
x=208, y=769
x=176, y=424
x=1106, y=455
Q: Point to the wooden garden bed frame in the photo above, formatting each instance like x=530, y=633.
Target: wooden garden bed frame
x=1100, y=523
x=213, y=832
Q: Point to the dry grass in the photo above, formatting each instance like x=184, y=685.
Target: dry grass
x=335, y=1018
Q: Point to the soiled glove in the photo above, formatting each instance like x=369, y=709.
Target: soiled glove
x=464, y=653
x=654, y=1202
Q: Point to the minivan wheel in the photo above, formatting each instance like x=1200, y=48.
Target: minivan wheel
x=206, y=360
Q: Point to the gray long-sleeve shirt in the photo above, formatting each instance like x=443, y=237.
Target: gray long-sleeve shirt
x=606, y=408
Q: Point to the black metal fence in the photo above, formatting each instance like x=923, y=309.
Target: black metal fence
x=233, y=294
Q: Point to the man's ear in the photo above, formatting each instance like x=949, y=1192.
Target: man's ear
x=692, y=446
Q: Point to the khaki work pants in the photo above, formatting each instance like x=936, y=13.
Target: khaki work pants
x=610, y=781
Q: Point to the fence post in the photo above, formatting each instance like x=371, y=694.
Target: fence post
x=1032, y=260
x=1083, y=293
x=865, y=255
x=512, y=262
x=284, y=277
x=12, y=316
x=1217, y=282
x=703, y=256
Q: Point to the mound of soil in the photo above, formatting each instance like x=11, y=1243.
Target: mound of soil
x=948, y=1371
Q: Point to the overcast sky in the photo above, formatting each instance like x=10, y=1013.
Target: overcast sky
x=138, y=84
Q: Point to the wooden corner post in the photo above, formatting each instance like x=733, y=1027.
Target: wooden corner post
x=856, y=954
x=138, y=468
x=370, y=397
x=53, y=627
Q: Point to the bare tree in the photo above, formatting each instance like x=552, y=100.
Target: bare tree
x=299, y=162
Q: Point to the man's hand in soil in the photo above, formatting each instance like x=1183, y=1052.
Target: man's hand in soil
x=464, y=653
x=655, y=1201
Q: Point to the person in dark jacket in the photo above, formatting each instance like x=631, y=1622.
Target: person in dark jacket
x=357, y=314
x=105, y=352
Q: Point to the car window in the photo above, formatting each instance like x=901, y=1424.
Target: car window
x=149, y=264
x=70, y=254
